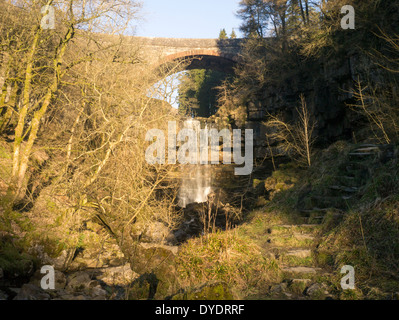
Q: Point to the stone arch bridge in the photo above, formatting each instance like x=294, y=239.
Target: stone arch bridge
x=219, y=55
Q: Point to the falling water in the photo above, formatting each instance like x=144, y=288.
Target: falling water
x=196, y=180
x=195, y=186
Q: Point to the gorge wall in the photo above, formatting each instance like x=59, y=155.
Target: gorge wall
x=327, y=85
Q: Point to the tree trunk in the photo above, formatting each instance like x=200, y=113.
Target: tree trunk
x=23, y=111
x=302, y=11
x=21, y=158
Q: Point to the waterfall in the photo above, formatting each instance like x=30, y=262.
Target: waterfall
x=195, y=185
x=196, y=179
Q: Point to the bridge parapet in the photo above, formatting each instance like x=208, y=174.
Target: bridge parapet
x=156, y=51
x=167, y=49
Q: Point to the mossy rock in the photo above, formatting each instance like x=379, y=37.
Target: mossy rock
x=15, y=263
x=209, y=291
x=298, y=286
x=325, y=259
x=144, y=288
x=150, y=287
x=148, y=260
x=318, y=291
x=157, y=266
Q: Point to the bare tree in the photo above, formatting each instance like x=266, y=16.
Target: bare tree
x=377, y=107
x=43, y=55
x=297, y=139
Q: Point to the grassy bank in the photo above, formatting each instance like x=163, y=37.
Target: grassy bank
x=341, y=211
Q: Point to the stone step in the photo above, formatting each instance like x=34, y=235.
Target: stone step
x=344, y=189
x=301, y=281
x=353, y=166
x=301, y=270
x=291, y=240
x=350, y=178
x=326, y=202
x=299, y=253
x=324, y=211
x=292, y=226
x=303, y=236
x=315, y=210
x=294, y=230
x=318, y=220
x=367, y=149
x=368, y=145
x=349, y=181
x=362, y=154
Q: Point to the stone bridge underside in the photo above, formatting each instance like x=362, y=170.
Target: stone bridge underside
x=219, y=55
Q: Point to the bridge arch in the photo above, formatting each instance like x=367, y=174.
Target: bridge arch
x=202, y=59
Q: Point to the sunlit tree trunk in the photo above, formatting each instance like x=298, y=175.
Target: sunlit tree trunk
x=16, y=177
x=21, y=157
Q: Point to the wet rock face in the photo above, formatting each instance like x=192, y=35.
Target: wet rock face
x=222, y=202
x=197, y=215
x=196, y=185
x=191, y=225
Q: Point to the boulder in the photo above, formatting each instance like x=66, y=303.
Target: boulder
x=298, y=286
x=156, y=265
x=317, y=291
x=122, y=275
x=280, y=290
x=157, y=232
x=98, y=292
x=172, y=249
x=32, y=292
x=78, y=281
x=154, y=232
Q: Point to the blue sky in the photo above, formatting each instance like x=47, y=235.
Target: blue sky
x=187, y=18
